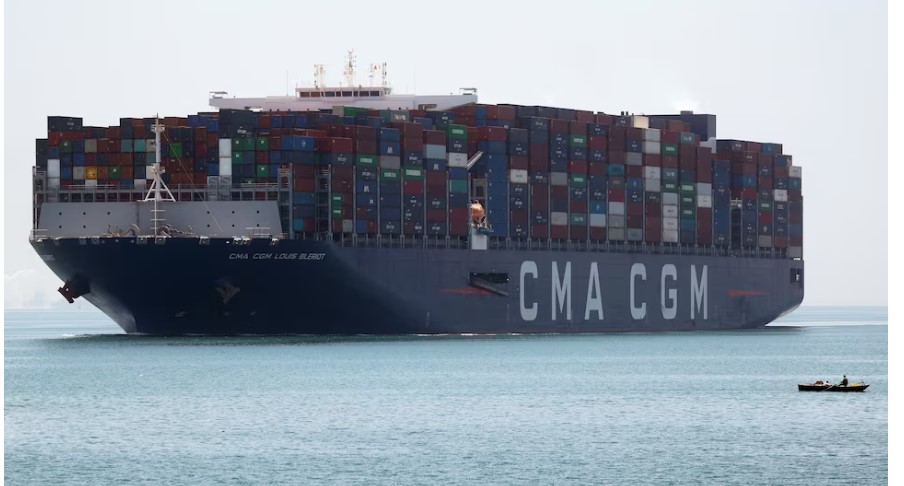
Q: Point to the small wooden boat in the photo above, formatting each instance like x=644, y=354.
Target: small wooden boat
x=823, y=386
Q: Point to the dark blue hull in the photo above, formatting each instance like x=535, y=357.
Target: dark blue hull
x=223, y=286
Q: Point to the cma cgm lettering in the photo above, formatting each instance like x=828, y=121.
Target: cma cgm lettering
x=562, y=285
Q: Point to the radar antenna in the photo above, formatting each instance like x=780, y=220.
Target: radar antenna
x=350, y=68
x=319, y=74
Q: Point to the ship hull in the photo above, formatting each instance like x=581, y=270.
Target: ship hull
x=187, y=286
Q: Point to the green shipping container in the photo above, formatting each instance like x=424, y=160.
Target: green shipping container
x=140, y=145
x=246, y=144
x=765, y=206
x=578, y=141
x=458, y=186
x=687, y=201
x=261, y=144
x=669, y=186
x=389, y=175
x=414, y=174
x=457, y=131
x=237, y=158
x=579, y=219
x=263, y=170
x=670, y=175
x=578, y=180
x=366, y=160
x=336, y=212
x=394, y=115
x=175, y=149
x=669, y=149
x=687, y=138
x=114, y=172
x=688, y=214
x=125, y=145
x=65, y=147
x=687, y=189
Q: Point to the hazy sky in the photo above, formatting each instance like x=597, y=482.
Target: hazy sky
x=810, y=75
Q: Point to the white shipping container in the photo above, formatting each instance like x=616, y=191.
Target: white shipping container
x=795, y=252
x=435, y=151
x=669, y=210
x=140, y=183
x=704, y=201
x=616, y=207
x=710, y=144
x=518, y=176
x=651, y=134
x=53, y=168
x=781, y=195
x=225, y=147
x=638, y=121
x=226, y=166
x=616, y=221
x=348, y=226
x=652, y=147
x=795, y=171
x=53, y=182
x=395, y=162
x=670, y=236
x=558, y=219
x=670, y=224
x=633, y=158
x=634, y=234
x=652, y=185
x=597, y=220
x=457, y=159
x=78, y=173
x=558, y=178
x=616, y=234
x=704, y=189
x=764, y=241
x=91, y=183
x=90, y=146
x=652, y=172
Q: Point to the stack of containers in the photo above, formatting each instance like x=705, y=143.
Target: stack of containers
x=743, y=172
x=615, y=186
x=635, y=140
x=781, y=210
x=597, y=179
x=491, y=140
x=299, y=152
x=766, y=198
x=704, y=186
x=413, y=179
x=652, y=182
x=366, y=175
x=457, y=155
x=437, y=188
x=389, y=220
x=795, y=212
x=559, y=148
x=578, y=196
x=687, y=184
x=721, y=199
x=519, y=188
x=538, y=170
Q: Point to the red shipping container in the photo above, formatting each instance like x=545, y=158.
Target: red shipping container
x=91, y=158
x=794, y=217
x=126, y=172
x=578, y=232
x=743, y=193
x=577, y=128
x=780, y=241
x=617, y=157
x=795, y=195
x=437, y=190
x=436, y=178
x=413, y=145
x=597, y=142
x=597, y=168
x=652, y=160
x=367, y=147
x=583, y=116
x=518, y=162
x=578, y=206
x=303, y=185
x=597, y=234
x=343, y=172
x=653, y=210
x=306, y=171
x=669, y=162
x=634, y=221
x=539, y=231
x=140, y=132
x=670, y=135
x=675, y=126
x=764, y=182
x=494, y=134
x=764, y=217
x=558, y=192
x=412, y=186
x=753, y=147
x=200, y=150
x=78, y=135
x=616, y=195
x=635, y=171
x=110, y=132
x=436, y=215
x=200, y=179
x=634, y=209
x=53, y=138
x=521, y=217
x=780, y=172
x=652, y=230
x=616, y=145
x=795, y=240
x=262, y=157
x=558, y=126
x=749, y=158
x=558, y=232
x=577, y=167
x=604, y=119
x=458, y=221
x=434, y=137
x=538, y=152
x=342, y=184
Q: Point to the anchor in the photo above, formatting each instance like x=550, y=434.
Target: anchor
x=74, y=288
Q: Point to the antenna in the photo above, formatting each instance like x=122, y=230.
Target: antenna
x=157, y=172
x=370, y=72
x=383, y=70
x=319, y=74
x=350, y=68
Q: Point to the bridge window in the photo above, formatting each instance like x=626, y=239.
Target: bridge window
x=346, y=93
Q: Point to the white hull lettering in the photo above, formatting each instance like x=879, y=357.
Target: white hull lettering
x=594, y=296
x=637, y=312
x=561, y=291
x=698, y=292
x=670, y=309
x=527, y=313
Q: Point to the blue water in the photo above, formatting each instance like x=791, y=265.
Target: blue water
x=85, y=404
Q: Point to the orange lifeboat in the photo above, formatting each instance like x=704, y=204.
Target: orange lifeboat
x=477, y=212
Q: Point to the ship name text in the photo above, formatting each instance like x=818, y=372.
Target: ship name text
x=277, y=256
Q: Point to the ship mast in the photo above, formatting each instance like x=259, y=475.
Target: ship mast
x=158, y=187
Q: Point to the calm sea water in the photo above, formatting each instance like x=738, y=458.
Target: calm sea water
x=85, y=404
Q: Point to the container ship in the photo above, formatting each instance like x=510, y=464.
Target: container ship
x=341, y=210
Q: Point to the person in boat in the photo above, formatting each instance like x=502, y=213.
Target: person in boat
x=844, y=381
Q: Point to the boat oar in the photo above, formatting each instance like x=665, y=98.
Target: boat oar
x=829, y=388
